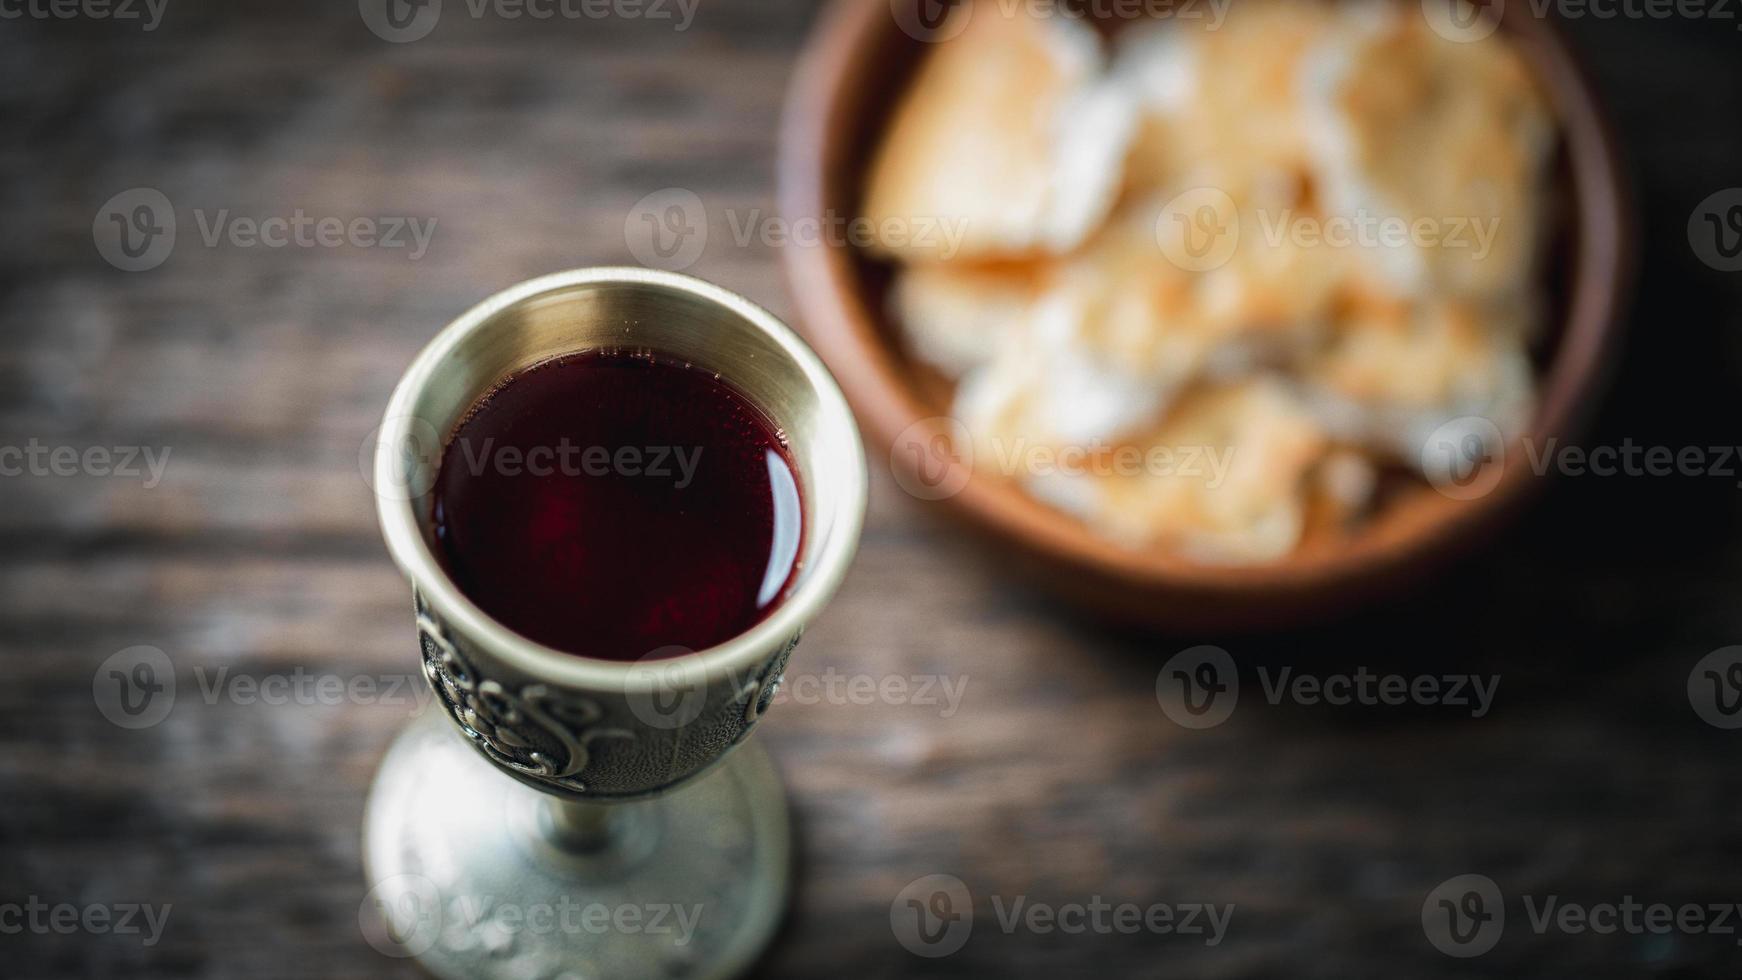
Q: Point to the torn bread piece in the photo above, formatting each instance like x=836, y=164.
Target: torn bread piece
x=1008, y=137
x=1036, y=394
x=1439, y=146
x=1219, y=106
x=1223, y=480
x=957, y=317
x=1395, y=371
x=1110, y=336
x=1101, y=349
x=1133, y=298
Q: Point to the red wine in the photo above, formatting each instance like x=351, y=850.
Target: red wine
x=619, y=506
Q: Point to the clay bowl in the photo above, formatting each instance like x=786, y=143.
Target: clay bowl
x=845, y=86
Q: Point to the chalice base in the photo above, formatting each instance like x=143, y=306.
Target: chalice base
x=482, y=878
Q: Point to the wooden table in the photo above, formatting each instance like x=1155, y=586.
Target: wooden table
x=262, y=370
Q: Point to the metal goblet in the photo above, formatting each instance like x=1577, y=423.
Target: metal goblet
x=632, y=840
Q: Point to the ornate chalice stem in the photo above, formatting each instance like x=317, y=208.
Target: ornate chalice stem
x=584, y=828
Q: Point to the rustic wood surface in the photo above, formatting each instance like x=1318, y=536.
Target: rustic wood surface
x=1059, y=778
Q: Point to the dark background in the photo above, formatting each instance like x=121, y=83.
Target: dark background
x=263, y=371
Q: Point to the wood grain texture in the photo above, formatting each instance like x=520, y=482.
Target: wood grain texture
x=1057, y=777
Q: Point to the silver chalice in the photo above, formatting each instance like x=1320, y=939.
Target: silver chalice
x=566, y=817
